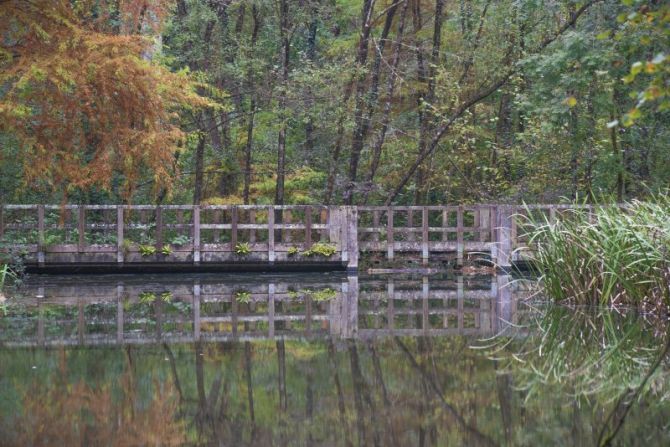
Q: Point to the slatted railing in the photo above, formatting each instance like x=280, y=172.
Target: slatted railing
x=180, y=234
x=209, y=235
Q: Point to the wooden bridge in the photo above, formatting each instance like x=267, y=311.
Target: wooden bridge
x=119, y=310
x=236, y=238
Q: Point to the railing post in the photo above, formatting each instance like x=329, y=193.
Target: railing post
x=233, y=227
x=196, y=310
x=504, y=237
x=308, y=227
x=271, y=234
x=119, y=234
x=271, y=310
x=81, y=227
x=40, y=235
x=424, y=236
x=159, y=228
x=390, y=239
x=119, y=313
x=351, y=213
x=196, y=234
x=460, y=244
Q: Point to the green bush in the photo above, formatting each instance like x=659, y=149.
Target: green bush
x=321, y=249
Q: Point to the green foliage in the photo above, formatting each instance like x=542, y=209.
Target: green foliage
x=182, y=239
x=612, y=257
x=166, y=296
x=147, y=250
x=243, y=296
x=292, y=251
x=321, y=249
x=242, y=248
x=147, y=297
x=321, y=295
x=166, y=250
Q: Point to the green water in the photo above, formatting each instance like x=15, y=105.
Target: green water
x=322, y=360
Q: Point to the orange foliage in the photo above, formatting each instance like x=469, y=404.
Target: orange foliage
x=81, y=99
x=62, y=413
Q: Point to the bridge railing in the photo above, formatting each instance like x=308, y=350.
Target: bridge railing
x=268, y=234
x=175, y=233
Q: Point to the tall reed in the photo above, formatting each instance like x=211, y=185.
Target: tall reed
x=610, y=256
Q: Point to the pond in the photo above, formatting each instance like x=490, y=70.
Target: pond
x=323, y=359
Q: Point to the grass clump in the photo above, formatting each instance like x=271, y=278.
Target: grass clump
x=616, y=256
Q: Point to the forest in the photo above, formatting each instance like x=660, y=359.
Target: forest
x=333, y=101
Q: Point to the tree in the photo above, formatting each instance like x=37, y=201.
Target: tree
x=83, y=98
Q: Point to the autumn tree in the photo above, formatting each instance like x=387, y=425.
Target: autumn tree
x=82, y=97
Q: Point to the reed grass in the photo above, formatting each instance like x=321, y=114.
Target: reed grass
x=610, y=255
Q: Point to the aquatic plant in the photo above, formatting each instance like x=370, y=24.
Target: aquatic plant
x=321, y=249
x=611, y=256
x=242, y=248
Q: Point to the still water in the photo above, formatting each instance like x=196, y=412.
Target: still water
x=323, y=360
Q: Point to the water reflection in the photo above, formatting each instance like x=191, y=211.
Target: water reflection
x=50, y=311
x=327, y=360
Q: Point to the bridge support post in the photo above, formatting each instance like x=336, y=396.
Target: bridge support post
x=503, y=258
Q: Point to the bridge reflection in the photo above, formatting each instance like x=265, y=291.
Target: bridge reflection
x=117, y=310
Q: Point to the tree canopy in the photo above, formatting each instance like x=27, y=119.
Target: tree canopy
x=333, y=101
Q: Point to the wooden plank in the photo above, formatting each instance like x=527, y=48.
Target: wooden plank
x=445, y=224
x=375, y=223
x=390, y=241
x=424, y=236
x=2, y=221
x=233, y=227
x=308, y=227
x=40, y=234
x=119, y=234
x=271, y=234
x=459, y=236
x=196, y=234
x=81, y=227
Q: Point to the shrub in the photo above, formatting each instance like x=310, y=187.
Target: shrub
x=321, y=249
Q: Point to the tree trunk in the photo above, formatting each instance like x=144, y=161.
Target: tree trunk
x=357, y=138
x=281, y=140
x=199, y=168
x=252, y=107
